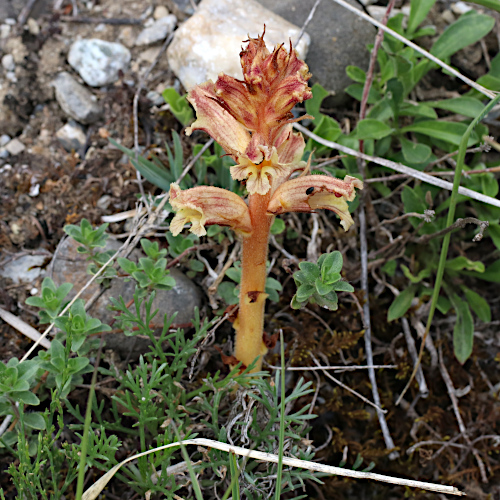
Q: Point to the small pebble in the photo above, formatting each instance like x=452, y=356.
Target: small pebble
x=33, y=26
x=4, y=139
x=98, y=62
x=158, y=31
x=160, y=11
x=8, y=62
x=15, y=147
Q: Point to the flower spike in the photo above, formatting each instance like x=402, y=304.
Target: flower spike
x=312, y=192
x=205, y=205
x=251, y=118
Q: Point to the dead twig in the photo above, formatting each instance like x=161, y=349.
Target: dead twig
x=100, y=20
x=25, y=12
x=346, y=387
x=399, y=167
x=410, y=342
x=458, y=416
x=307, y=21
x=458, y=224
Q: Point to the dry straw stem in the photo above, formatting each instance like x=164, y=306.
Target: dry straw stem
x=468, y=81
x=93, y=492
x=399, y=167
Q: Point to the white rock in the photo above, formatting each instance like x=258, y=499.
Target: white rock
x=98, y=62
x=378, y=12
x=4, y=30
x=460, y=8
x=160, y=11
x=158, y=31
x=15, y=146
x=4, y=139
x=25, y=269
x=3, y=155
x=33, y=26
x=76, y=100
x=71, y=136
x=210, y=41
x=8, y=62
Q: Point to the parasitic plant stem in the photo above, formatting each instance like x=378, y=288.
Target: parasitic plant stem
x=250, y=323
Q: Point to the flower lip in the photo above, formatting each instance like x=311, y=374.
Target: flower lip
x=312, y=192
x=206, y=205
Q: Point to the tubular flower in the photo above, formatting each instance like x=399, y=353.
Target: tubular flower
x=205, y=205
x=251, y=118
x=311, y=192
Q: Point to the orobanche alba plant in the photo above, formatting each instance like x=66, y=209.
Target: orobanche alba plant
x=252, y=120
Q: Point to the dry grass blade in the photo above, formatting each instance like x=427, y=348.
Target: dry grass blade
x=93, y=492
x=24, y=328
x=428, y=55
x=398, y=167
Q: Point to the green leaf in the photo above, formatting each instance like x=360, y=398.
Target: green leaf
x=493, y=231
x=478, y=304
x=27, y=397
x=330, y=263
x=489, y=4
x=322, y=288
x=460, y=263
x=390, y=267
x=77, y=364
x=412, y=202
x=356, y=90
x=57, y=349
x=401, y=303
x=419, y=110
x=313, y=105
x=415, y=152
x=470, y=28
x=463, y=333
x=424, y=273
x=159, y=176
x=491, y=273
x=356, y=74
x=372, y=129
x=466, y=106
x=34, y=420
x=304, y=292
x=310, y=270
x=446, y=131
x=343, y=286
x=127, y=265
x=418, y=12
x=278, y=226
x=178, y=105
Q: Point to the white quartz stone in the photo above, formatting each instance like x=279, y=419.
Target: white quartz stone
x=210, y=41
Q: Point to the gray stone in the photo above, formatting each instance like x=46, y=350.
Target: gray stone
x=15, y=147
x=4, y=139
x=98, y=62
x=70, y=267
x=158, y=31
x=339, y=39
x=210, y=41
x=26, y=269
x=71, y=136
x=76, y=100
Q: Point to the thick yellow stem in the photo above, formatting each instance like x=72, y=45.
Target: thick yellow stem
x=250, y=323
